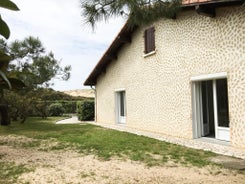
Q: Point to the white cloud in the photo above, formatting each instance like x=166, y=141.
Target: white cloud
x=59, y=25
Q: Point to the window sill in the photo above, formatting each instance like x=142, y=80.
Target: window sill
x=149, y=54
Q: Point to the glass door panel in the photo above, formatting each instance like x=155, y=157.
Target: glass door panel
x=121, y=107
x=222, y=103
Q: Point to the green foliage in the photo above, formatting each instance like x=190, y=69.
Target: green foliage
x=56, y=109
x=6, y=81
x=36, y=102
x=8, y=5
x=20, y=105
x=35, y=68
x=85, y=110
x=26, y=103
x=4, y=29
x=52, y=95
x=138, y=12
x=33, y=65
x=69, y=106
x=4, y=57
x=40, y=108
x=4, y=62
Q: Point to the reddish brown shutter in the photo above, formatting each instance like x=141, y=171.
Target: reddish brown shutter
x=149, y=40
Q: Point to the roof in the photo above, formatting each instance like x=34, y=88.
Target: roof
x=194, y=1
x=124, y=35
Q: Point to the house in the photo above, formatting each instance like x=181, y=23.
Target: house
x=182, y=77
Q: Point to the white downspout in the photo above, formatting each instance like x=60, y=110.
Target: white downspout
x=95, y=103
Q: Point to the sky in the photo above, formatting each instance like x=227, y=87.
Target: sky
x=61, y=28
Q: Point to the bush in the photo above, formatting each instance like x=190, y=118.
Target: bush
x=56, y=109
x=41, y=109
x=69, y=106
x=85, y=110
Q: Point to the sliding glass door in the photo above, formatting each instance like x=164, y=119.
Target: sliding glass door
x=211, y=110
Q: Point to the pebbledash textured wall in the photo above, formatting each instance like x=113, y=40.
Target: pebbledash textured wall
x=158, y=87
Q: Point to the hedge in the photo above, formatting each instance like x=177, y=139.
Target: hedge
x=85, y=110
x=69, y=106
x=56, y=109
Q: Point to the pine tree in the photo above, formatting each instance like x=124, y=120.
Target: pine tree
x=138, y=12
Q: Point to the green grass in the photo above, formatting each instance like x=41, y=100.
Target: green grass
x=9, y=172
x=105, y=143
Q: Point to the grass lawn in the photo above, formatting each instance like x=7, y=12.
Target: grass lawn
x=106, y=143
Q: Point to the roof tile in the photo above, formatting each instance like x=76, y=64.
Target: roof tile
x=194, y=1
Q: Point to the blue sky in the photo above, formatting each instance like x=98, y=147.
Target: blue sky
x=60, y=26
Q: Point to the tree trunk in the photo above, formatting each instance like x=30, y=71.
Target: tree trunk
x=4, y=115
x=23, y=120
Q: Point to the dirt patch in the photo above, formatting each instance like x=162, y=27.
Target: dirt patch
x=71, y=167
x=13, y=140
x=230, y=162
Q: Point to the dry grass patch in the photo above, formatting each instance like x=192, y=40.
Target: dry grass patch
x=41, y=152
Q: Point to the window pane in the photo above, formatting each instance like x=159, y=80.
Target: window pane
x=122, y=105
x=222, y=103
x=207, y=103
x=149, y=40
x=207, y=108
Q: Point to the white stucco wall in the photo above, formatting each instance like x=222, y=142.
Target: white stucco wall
x=158, y=87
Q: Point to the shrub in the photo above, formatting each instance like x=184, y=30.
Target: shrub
x=56, y=109
x=85, y=110
x=69, y=106
x=41, y=109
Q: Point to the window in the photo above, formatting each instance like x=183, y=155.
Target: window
x=149, y=40
x=122, y=103
x=121, y=106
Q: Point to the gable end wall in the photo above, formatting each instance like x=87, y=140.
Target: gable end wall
x=158, y=87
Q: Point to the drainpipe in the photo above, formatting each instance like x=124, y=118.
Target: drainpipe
x=95, y=102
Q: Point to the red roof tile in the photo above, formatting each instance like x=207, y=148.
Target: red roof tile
x=194, y=1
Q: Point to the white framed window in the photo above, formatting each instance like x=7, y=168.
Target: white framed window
x=120, y=106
